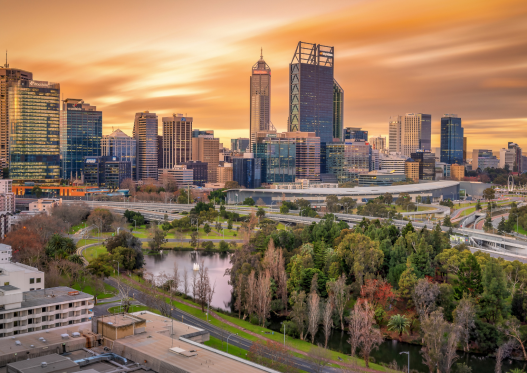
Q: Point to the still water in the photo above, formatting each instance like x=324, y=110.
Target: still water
x=216, y=264
x=388, y=351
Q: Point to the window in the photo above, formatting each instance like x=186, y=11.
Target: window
x=57, y=325
x=43, y=309
x=30, y=321
x=32, y=280
x=57, y=307
x=15, y=314
x=83, y=303
x=57, y=316
x=16, y=332
x=44, y=318
x=15, y=323
x=70, y=305
x=44, y=327
x=30, y=329
x=70, y=322
x=39, y=280
x=29, y=312
x=1, y=326
x=31, y=289
x=2, y=316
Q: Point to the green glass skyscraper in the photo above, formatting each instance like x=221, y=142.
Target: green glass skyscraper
x=34, y=125
x=451, y=139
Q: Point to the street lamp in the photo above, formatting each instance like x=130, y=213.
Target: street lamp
x=228, y=340
x=284, y=331
x=407, y=353
x=135, y=224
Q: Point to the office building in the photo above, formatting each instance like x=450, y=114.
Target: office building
x=308, y=156
x=483, y=158
x=225, y=173
x=355, y=134
x=395, y=134
x=159, y=151
x=507, y=158
x=465, y=149
x=375, y=163
x=416, y=133
x=177, y=140
x=240, y=145
x=34, y=126
x=457, y=172
x=44, y=205
x=107, y=171
x=7, y=197
x=197, y=132
x=247, y=171
x=180, y=175
x=427, y=164
x=392, y=163
x=8, y=77
x=451, y=139
x=411, y=170
x=488, y=162
x=278, y=157
x=380, y=178
x=338, y=111
x=199, y=172
x=119, y=144
x=206, y=148
x=260, y=96
x=378, y=143
x=517, y=167
x=80, y=136
x=347, y=160
x=145, y=134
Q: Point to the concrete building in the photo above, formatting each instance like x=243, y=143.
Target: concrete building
x=8, y=77
x=416, y=133
x=378, y=143
x=160, y=151
x=119, y=144
x=107, y=171
x=177, y=140
x=34, y=127
x=355, y=134
x=80, y=136
x=395, y=134
x=225, y=173
x=517, y=156
x=380, y=178
x=308, y=156
x=199, y=172
x=7, y=197
x=484, y=158
x=247, y=171
x=457, y=172
x=338, y=111
x=393, y=163
x=53, y=363
x=260, y=99
x=44, y=205
x=206, y=148
x=347, y=160
x=427, y=164
x=507, y=158
x=179, y=174
x=145, y=134
x=411, y=170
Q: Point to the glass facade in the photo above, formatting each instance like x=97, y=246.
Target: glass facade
x=355, y=134
x=247, y=172
x=278, y=157
x=338, y=110
x=34, y=123
x=347, y=160
x=107, y=172
x=451, y=140
x=145, y=134
x=427, y=164
x=119, y=144
x=80, y=136
x=176, y=142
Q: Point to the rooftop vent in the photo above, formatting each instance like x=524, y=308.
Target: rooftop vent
x=41, y=339
x=76, y=334
x=44, y=341
x=65, y=336
x=18, y=343
x=44, y=364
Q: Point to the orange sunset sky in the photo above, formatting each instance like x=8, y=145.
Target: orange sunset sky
x=195, y=57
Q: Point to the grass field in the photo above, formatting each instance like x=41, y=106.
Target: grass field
x=93, y=252
x=133, y=308
x=86, y=242
x=218, y=344
x=89, y=290
x=519, y=230
x=75, y=228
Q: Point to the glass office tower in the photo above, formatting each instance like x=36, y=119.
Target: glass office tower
x=278, y=157
x=80, y=136
x=347, y=160
x=145, y=134
x=338, y=111
x=34, y=126
x=451, y=139
x=355, y=134
x=119, y=144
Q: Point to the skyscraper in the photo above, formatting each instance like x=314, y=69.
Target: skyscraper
x=465, y=151
x=240, y=144
x=8, y=77
x=355, y=134
x=260, y=98
x=206, y=148
x=395, y=138
x=80, y=136
x=517, y=167
x=338, y=110
x=145, y=134
x=308, y=151
x=34, y=126
x=451, y=139
x=378, y=143
x=311, y=85
x=177, y=140
x=416, y=133
x=119, y=144
x=347, y=160
x=278, y=157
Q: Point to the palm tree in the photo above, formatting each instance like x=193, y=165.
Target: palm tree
x=398, y=323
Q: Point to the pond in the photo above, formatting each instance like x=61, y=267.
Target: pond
x=216, y=264
x=388, y=351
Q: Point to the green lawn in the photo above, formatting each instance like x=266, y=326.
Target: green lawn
x=86, y=242
x=519, y=230
x=222, y=346
x=76, y=228
x=133, y=308
x=93, y=252
x=89, y=290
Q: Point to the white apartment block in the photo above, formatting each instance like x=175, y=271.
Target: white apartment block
x=392, y=164
x=507, y=156
x=394, y=135
x=21, y=276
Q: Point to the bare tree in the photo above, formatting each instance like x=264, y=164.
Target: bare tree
x=239, y=293
x=502, y=353
x=424, y=296
x=440, y=340
x=355, y=327
x=318, y=359
x=464, y=315
x=250, y=295
x=203, y=285
x=176, y=279
x=511, y=328
x=264, y=294
x=123, y=294
x=371, y=337
x=341, y=296
x=313, y=309
x=327, y=319
x=210, y=292
x=185, y=281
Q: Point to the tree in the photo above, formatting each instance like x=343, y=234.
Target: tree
x=298, y=310
x=126, y=239
x=398, y=323
x=156, y=238
x=327, y=319
x=464, y=316
x=313, y=309
x=232, y=185
x=332, y=203
x=263, y=294
x=36, y=191
x=469, y=278
x=101, y=266
x=284, y=209
x=370, y=337
x=447, y=222
x=407, y=282
x=271, y=354
x=501, y=226
x=60, y=247
x=206, y=229
x=492, y=301
x=511, y=328
x=341, y=295
x=194, y=238
x=439, y=342
x=425, y=296
x=348, y=203
x=229, y=224
x=102, y=219
x=489, y=194
x=355, y=327
x=248, y=201
x=202, y=285
x=503, y=352
x=387, y=198
x=318, y=359
x=260, y=213
x=478, y=206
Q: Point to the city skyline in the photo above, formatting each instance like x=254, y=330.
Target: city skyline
x=445, y=58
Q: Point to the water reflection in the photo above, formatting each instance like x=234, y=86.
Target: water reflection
x=216, y=263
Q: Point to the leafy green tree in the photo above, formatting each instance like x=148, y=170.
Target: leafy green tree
x=387, y=198
x=488, y=223
x=36, y=191
x=260, y=213
x=469, y=278
x=229, y=224
x=128, y=240
x=519, y=305
x=60, y=247
x=156, y=238
x=502, y=226
x=248, y=201
x=407, y=229
x=332, y=203
x=101, y=266
x=447, y=222
x=208, y=245
x=284, y=209
x=398, y=323
x=489, y=194
x=407, y=282
x=224, y=246
x=421, y=260
x=194, y=239
x=493, y=306
x=206, y=229
x=183, y=197
x=478, y=206
x=125, y=256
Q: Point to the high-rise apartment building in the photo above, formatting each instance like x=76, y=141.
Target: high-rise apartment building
x=80, y=136
x=517, y=167
x=177, y=140
x=240, y=144
x=160, y=151
x=338, y=111
x=206, y=148
x=260, y=93
x=311, y=92
x=106, y=171
x=308, y=156
x=145, y=134
x=507, y=158
x=378, y=143
x=278, y=157
x=119, y=144
x=395, y=134
x=225, y=173
x=451, y=139
x=347, y=160
x=34, y=126
x=416, y=133
x=8, y=77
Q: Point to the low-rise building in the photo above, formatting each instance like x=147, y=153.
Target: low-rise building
x=457, y=172
x=380, y=178
x=179, y=174
x=44, y=205
x=225, y=172
x=411, y=170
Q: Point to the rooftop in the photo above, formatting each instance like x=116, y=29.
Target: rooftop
x=120, y=320
x=8, y=288
x=17, y=267
x=54, y=362
x=59, y=294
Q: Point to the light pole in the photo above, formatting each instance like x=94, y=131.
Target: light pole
x=284, y=331
x=171, y=311
x=407, y=353
x=117, y=267
x=135, y=221
x=228, y=340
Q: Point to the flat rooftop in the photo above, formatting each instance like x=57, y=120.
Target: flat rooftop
x=42, y=297
x=18, y=267
x=119, y=319
x=55, y=362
